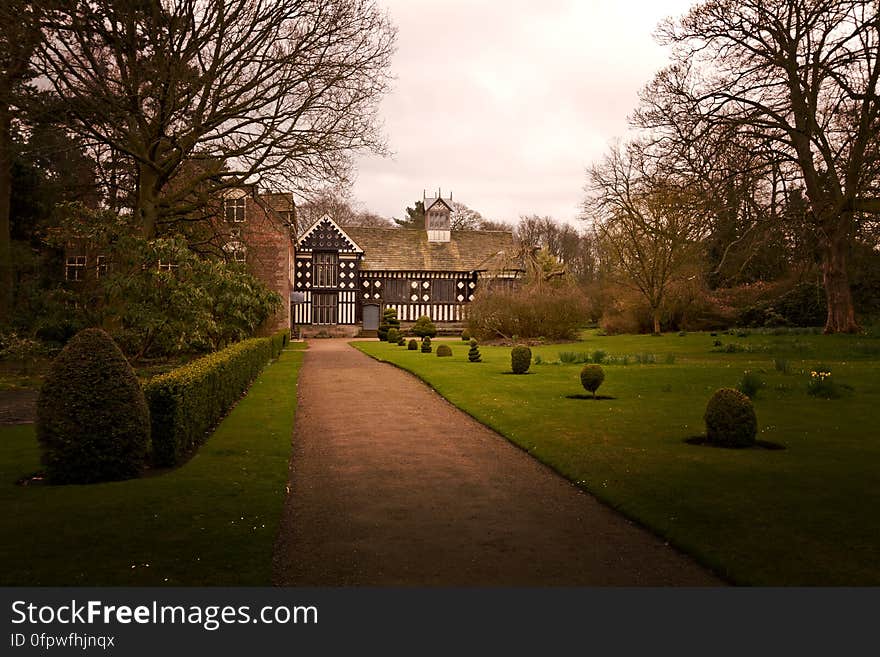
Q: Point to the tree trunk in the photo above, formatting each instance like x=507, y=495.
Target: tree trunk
x=6, y=273
x=841, y=314
x=655, y=315
x=147, y=210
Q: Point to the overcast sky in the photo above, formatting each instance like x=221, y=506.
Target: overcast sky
x=506, y=102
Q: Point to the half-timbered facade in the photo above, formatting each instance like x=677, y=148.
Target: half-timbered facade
x=435, y=271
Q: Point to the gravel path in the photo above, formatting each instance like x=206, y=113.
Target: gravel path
x=393, y=486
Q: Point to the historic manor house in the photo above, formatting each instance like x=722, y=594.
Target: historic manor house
x=337, y=280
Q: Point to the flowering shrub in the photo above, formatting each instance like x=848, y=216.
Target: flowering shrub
x=821, y=383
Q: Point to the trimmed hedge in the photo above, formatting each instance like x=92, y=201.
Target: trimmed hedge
x=730, y=419
x=444, y=350
x=592, y=377
x=186, y=403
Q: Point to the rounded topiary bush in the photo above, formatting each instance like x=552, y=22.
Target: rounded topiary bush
x=592, y=377
x=465, y=335
x=426, y=345
x=413, y=345
x=393, y=335
x=424, y=327
x=401, y=341
x=520, y=359
x=444, y=350
x=474, y=355
x=730, y=419
x=92, y=418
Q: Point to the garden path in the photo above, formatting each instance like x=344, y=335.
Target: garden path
x=393, y=486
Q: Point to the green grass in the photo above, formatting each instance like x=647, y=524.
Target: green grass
x=805, y=515
x=211, y=522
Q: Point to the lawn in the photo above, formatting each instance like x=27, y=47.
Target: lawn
x=805, y=515
x=212, y=521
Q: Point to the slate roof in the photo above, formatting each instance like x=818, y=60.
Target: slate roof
x=398, y=249
x=431, y=201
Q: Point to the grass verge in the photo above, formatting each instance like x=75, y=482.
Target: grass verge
x=805, y=515
x=211, y=522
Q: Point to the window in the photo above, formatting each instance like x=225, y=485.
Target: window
x=437, y=220
x=102, y=266
x=443, y=291
x=396, y=290
x=76, y=268
x=325, y=270
x=233, y=209
x=324, y=308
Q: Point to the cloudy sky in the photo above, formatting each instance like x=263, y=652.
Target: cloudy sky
x=506, y=102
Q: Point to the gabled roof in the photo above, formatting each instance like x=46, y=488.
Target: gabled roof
x=402, y=249
x=432, y=201
x=326, y=234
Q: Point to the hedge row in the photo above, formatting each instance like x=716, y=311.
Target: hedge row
x=186, y=403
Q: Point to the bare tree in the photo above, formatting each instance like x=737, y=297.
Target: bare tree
x=648, y=228
x=464, y=218
x=202, y=94
x=800, y=76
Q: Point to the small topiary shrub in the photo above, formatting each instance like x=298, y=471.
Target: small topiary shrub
x=413, y=345
x=426, y=345
x=465, y=335
x=474, y=352
x=389, y=321
x=92, y=418
x=393, y=335
x=520, y=359
x=592, y=377
x=444, y=350
x=424, y=327
x=401, y=341
x=730, y=419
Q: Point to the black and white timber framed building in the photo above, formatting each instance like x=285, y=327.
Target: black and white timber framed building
x=341, y=271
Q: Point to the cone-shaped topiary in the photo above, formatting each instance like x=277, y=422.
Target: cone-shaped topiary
x=730, y=419
x=424, y=327
x=474, y=352
x=592, y=377
x=520, y=359
x=426, y=345
x=389, y=321
x=92, y=418
x=413, y=345
x=444, y=350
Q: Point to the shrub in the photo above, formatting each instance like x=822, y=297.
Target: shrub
x=750, y=384
x=187, y=402
x=412, y=345
x=401, y=341
x=520, y=359
x=730, y=419
x=424, y=327
x=592, y=377
x=465, y=336
x=598, y=356
x=278, y=341
x=92, y=418
x=474, y=352
x=389, y=321
x=821, y=383
x=529, y=311
x=444, y=350
x=393, y=335
x=426, y=345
